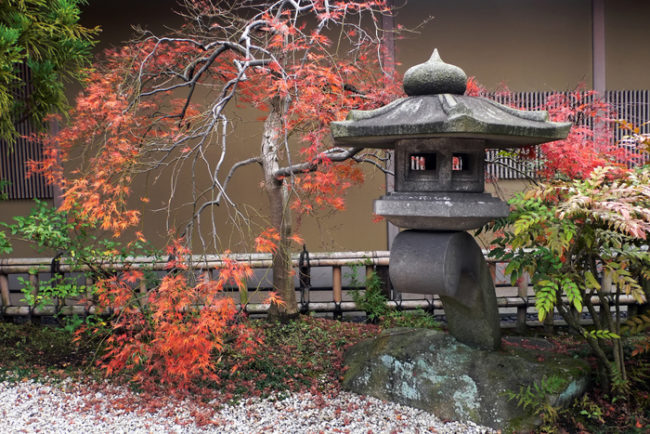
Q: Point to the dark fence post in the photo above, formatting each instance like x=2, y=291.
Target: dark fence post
x=304, y=279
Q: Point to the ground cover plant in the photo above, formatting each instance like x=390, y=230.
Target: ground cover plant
x=598, y=411
x=302, y=355
x=32, y=351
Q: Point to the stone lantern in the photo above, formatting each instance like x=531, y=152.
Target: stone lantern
x=440, y=136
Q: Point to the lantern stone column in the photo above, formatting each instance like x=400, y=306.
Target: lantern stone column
x=440, y=138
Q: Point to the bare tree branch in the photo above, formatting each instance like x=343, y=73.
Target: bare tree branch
x=335, y=155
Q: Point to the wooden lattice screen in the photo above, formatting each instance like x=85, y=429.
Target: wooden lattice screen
x=630, y=105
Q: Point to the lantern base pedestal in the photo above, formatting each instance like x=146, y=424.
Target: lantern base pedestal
x=451, y=265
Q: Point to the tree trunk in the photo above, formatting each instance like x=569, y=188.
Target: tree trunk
x=280, y=214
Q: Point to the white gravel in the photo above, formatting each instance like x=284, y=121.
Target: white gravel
x=65, y=407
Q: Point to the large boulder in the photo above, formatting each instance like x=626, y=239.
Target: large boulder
x=431, y=370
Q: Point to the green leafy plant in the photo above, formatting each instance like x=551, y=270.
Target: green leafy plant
x=575, y=237
x=5, y=245
x=539, y=399
x=78, y=242
x=372, y=300
x=637, y=324
x=47, y=37
x=52, y=290
x=589, y=410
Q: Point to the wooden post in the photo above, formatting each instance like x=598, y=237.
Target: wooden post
x=4, y=290
x=337, y=291
x=337, y=284
x=58, y=280
x=369, y=271
x=522, y=291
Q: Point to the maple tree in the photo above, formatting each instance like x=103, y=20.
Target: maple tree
x=166, y=102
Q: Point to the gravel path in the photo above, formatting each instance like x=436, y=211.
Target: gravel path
x=66, y=407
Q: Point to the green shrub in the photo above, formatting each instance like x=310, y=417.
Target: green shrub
x=372, y=301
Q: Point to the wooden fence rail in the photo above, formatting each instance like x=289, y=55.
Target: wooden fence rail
x=370, y=260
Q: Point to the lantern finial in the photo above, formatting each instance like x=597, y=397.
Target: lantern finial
x=433, y=77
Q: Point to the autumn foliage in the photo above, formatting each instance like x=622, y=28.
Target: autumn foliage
x=174, y=333
x=131, y=117
x=591, y=141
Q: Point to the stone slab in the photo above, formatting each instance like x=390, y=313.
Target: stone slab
x=447, y=211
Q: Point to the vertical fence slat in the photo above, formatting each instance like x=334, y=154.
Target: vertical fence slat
x=337, y=284
x=4, y=290
x=370, y=269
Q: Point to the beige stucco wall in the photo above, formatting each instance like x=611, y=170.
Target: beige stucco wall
x=528, y=45
x=627, y=32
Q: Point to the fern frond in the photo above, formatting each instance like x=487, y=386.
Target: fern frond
x=601, y=334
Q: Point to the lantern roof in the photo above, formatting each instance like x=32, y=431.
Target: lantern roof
x=436, y=107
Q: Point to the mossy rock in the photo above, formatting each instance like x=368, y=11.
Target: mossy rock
x=430, y=370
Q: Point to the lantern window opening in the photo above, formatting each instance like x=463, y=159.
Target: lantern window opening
x=423, y=162
x=460, y=163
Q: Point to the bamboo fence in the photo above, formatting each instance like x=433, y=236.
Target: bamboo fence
x=522, y=302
